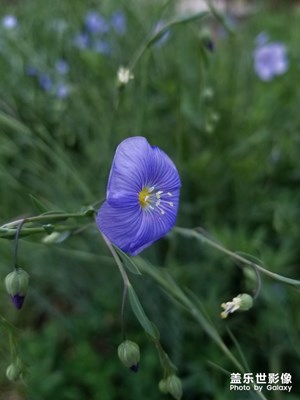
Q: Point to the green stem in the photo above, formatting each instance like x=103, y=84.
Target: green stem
x=154, y=36
x=18, y=231
x=44, y=218
x=173, y=289
x=118, y=261
x=212, y=243
x=10, y=229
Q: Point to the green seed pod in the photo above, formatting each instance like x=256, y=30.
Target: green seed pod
x=13, y=372
x=174, y=386
x=16, y=284
x=129, y=354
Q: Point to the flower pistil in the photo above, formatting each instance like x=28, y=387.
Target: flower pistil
x=149, y=198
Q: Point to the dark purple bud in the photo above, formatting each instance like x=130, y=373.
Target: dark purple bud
x=129, y=355
x=135, y=367
x=18, y=301
x=210, y=45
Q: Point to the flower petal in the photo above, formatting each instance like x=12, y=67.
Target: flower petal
x=130, y=168
x=164, y=172
x=119, y=224
x=153, y=226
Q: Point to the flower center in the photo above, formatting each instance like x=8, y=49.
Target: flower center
x=152, y=199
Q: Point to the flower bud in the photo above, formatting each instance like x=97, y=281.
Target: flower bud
x=163, y=386
x=16, y=284
x=129, y=354
x=246, y=301
x=13, y=372
x=174, y=386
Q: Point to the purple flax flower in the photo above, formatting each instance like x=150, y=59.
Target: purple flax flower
x=62, y=67
x=95, y=23
x=45, y=82
x=62, y=91
x=270, y=60
x=81, y=40
x=142, y=196
x=9, y=22
x=31, y=70
x=102, y=47
x=261, y=39
x=118, y=22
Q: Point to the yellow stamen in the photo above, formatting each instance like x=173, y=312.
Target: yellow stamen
x=144, y=197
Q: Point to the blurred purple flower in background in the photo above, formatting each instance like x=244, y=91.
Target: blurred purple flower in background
x=102, y=47
x=45, y=82
x=118, y=22
x=270, y=60
x=62, y=67
x=82, y=40
x=62, y=91
x=95, y=23
x=261, y=39
x=31, y=70
x=9, y=22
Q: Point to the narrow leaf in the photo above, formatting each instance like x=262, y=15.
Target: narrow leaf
x=128, y=262
x=38, y=205
x=140, y=313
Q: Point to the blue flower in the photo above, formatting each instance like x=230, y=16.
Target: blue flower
x=62, y=91
x=118, y=22
x=95, y=23
x=270, y=60
x=81, y=40
x=62, y=67
x=9, y=22
x=142, y=196
x=31, y=70
x=102, y=46
x=45, y=82
x=262, y=38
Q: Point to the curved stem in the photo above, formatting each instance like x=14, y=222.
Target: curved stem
x=212, y=243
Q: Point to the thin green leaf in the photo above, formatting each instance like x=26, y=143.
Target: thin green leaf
x=140, y=313
x=128, y=262
x=38, y=205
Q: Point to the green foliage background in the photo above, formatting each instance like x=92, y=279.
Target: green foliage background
x=235, y=141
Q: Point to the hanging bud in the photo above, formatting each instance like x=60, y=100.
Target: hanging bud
x=242, y=302
x=174, y=386
x=129, y=354
x=16, y=284
x=206, y=40
x=163, y=386
x=14, y=371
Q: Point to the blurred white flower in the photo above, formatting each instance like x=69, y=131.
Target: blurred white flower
x=124, y=75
